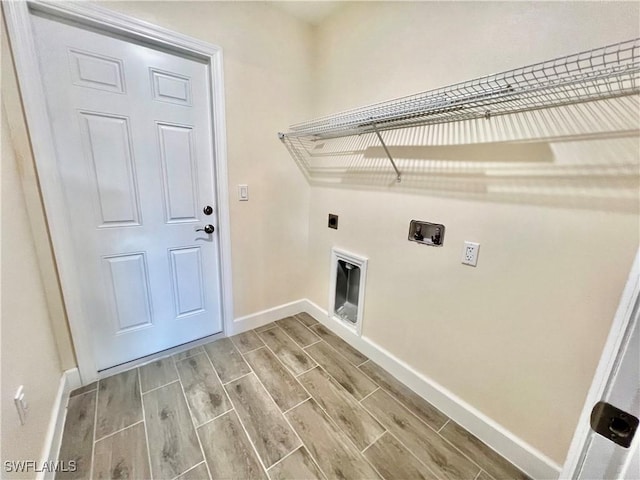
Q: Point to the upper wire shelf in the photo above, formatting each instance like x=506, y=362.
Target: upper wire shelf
x=601, y=73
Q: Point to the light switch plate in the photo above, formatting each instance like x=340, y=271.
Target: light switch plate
x=243, y=193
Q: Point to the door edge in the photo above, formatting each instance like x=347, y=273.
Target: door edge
x=622, y=320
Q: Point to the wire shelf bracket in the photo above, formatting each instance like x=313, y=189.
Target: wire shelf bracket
x=386, y=150
x=598, y=74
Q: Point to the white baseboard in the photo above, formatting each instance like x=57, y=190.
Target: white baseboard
x=533, y=462
x=258, y=319
x=69, y=380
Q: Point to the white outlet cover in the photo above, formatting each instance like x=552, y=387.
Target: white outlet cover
x=470, y=253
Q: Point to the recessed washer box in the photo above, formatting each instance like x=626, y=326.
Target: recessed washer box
x=346, y=291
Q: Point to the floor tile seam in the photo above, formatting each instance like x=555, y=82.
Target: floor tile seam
x=95, y=429
x=244, y=429
x=97, y=440
x=284, y=412
x=473, y=462
x=327, y=372
x=375, y=440
x=192, y=468
x=424, y=423
x=347, y=392
x=144, y=421
x=286, y=456
x=399, y=441
x=215, y=372
x=309, y=450
x=306, y=371
x=176, y=361
x=224, y=390
x=421, y=462
x=286, y=370
x=238, y=347
x=291, y=338
x=253, y=349
x=175, y=355
x=405, y=406
x=195, y=430
x=283, y=416
x=166, y=357
x=293, y=374
x=303, y=326
x=340, y=355
x=340, y=429
x=238, y=378
x=403, y=403
x=214, y=418
x=83, y=393
x=482, y=470
x=374, y=467
x=445, y=424
x=369, y=394
x=211, y=361
x=158, y=388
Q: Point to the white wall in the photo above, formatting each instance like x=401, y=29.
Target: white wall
x=519, y=336
x=34, y=208
x=28, y=351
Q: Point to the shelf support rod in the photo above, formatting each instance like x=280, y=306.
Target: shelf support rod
x=395, y=167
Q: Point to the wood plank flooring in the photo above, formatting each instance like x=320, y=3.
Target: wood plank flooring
x=288, y=400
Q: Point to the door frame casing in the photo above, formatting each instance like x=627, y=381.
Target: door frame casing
x=611, y=352
x=18, y=18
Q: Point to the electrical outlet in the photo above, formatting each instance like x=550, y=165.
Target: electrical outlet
x=470, y=253
x=21, y=404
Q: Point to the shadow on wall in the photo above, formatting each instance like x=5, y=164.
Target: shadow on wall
x=579, y=156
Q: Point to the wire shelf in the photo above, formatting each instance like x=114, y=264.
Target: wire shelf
x=602, y=73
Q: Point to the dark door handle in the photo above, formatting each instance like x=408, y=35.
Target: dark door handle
x=207, y=229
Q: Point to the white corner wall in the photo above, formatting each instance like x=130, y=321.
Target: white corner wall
x=28, y=351
x=518, y=337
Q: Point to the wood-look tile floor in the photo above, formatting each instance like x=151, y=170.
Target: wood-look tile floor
x=289, y=400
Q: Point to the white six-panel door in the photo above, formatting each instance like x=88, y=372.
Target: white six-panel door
x=134, y=148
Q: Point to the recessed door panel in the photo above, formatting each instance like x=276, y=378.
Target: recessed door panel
x=179, y=171
x=186, y=269
x=111, y=163
x=96, y=71
x=171, y=87
x=128, y=280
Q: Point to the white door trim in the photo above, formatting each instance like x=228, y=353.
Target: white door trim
x=17, y=14
x=606, y=366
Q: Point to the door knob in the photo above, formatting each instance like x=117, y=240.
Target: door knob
x=207, y=229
